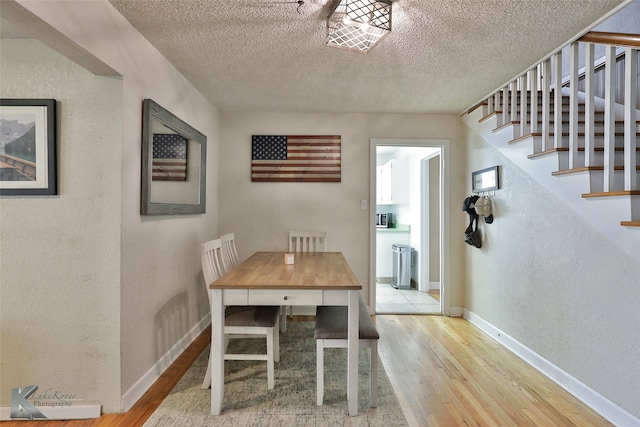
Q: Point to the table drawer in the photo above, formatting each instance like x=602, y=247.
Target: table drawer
x=285, y=297
x=336, y=298
x=235, y=297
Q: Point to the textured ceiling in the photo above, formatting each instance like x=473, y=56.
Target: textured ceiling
x=442, y=56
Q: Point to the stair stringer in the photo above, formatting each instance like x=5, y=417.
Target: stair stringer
x=603, y=213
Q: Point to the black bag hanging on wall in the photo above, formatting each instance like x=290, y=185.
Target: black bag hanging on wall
x=472, y=234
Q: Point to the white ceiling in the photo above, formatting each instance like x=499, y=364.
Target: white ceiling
x=442, y=56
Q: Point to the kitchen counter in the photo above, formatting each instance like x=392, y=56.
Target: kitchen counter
x=400, y=228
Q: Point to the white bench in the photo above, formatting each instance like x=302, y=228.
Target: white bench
x=331, y=332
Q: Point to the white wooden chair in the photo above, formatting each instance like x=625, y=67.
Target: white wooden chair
x=303, y=241
x=307, y=241
x=229, y=253
x=242, y=321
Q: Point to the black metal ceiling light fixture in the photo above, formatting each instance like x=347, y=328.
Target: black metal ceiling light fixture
x=358, y=25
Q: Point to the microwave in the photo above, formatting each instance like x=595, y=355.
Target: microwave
x=382, y=220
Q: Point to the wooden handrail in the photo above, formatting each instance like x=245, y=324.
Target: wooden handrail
x=618, y=39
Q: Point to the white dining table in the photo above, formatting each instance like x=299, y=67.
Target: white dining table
x=314, y=278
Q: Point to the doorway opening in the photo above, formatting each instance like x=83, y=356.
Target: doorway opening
x=407, y=238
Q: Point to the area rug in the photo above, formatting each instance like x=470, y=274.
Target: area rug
x=248, y=402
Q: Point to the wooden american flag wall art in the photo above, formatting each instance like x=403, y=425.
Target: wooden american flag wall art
x=295, y=158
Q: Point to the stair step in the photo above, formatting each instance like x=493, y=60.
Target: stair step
x=597, y=121
x=612, y=193
x=564, y=110
x=485, y=118
x=499, y=128
x=523, y=137
x=596, y=134
x=580, y=135
x=587, y=168
x=537, y=134
x=576, y=170
x=582, y=122
x=547, y=152
x=630, y=223
x=475, y=107
x=602, y=149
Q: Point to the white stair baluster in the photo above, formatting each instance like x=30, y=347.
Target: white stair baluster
x=533, y=87
x=557, y=100
x=505, y=105
x=609, y=117
x=589, y=115
x=573, y=106
x=514, y=101
x=546, y=104
x=490, y=108
x=524, y=99
x=630, y=117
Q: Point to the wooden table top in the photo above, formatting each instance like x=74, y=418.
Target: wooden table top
x=311, y=270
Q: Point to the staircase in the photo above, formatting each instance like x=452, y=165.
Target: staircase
x=576, y=132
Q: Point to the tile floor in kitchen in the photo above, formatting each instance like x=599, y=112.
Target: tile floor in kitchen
x=399, y=301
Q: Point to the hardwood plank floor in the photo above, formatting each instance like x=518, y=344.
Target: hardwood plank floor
x=445, y=373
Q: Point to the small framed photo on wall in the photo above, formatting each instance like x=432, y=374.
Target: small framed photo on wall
x=28, y=147
x=485, y=180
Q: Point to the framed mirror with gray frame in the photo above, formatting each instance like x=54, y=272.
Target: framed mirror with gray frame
x=174, y=157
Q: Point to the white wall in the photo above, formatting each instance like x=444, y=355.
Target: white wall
x=627, y=20
x=262, y=213
x=157, y=259
x=545, y=277
x=60, y=255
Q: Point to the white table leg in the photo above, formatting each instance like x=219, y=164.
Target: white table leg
x=352, y=353
x=217, y=351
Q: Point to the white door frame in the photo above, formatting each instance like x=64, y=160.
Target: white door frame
x=425, y=235
x=445, y=227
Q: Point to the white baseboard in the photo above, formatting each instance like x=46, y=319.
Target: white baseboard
x=131, y=396
x=603, y=406
x=434, y=285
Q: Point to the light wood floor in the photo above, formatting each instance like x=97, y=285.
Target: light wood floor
x=445, y=373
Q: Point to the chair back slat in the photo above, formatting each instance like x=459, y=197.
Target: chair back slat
x=229, y=252
x=307, y=241
x=213, y=264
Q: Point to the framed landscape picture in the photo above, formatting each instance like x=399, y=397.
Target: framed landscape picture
x=28, y=147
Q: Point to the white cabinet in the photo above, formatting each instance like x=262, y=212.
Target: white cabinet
x=383, y=184
x=392, y=182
